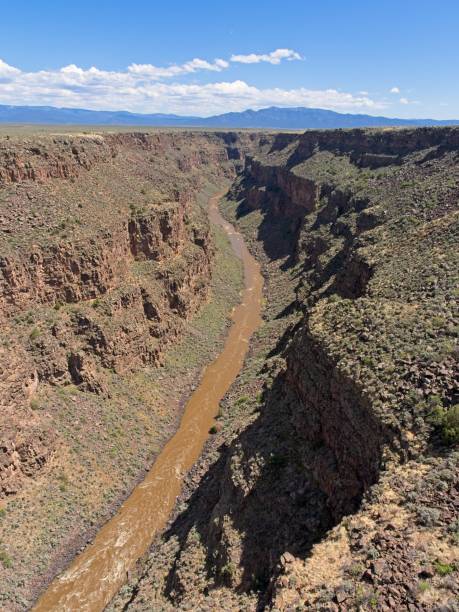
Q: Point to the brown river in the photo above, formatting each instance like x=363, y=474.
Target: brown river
x=97, y=573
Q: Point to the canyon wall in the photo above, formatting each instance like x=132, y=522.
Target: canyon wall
x=361, y=243
x=106, y=256
x=331, y=480
x=66, y=269
x=353, y=375
x=107, y=222
x=127, y=316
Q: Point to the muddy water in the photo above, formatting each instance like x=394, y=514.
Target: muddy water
x=98, y=572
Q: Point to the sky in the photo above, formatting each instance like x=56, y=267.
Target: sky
x=398, y=58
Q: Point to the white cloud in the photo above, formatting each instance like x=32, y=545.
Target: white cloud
x=194, y=65
x=139, y=88
x=404, y=101
x=275, y=57
x=395, y=90
x=6, y=70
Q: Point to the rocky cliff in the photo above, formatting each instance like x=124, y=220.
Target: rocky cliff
x=125, y=317
x=106, y=254
x=332, y=480
x=334, y=484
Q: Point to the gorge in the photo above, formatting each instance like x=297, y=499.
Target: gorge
x=329, y=480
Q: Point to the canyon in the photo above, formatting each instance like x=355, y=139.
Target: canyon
x=330, y=479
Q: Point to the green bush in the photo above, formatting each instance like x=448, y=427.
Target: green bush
x=241, y=400
x=228, y=571
x=423, y=586
x=450, y=428
x=5, y=559
x=34, y=334
x=35, y=404
x=443, y=569
x=447, y=423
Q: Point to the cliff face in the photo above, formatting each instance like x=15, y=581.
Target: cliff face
x=65, y=243
x=145, y=227
x=106, y=256
x=359, y=377
x=71, y=272
x=344, y=221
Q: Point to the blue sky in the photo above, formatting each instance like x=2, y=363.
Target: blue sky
x=390, y=57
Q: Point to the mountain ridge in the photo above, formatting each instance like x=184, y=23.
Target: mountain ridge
x=268, y=118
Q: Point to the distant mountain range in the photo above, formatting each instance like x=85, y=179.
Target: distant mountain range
x=273, y=117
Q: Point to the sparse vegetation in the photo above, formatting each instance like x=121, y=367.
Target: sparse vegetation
x=34, y=334
x=5, y=560
x=35, y=404
x=443, y=569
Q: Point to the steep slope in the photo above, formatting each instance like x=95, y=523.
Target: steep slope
x=108, y=267
x=334, y=482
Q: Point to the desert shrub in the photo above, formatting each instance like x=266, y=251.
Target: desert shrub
x=372, y=553
x=5, y=559
x=450, y=426
x=67, y=390
x=34, y=334
x=443, y=569
x=241, y=400
x=227, y=572
x=423, y=586
x=34, y=404
x=356, y=570
x=446, y=421
x=427, y=516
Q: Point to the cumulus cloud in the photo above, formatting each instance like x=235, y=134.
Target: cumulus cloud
x=275, y=57
x=155, y=72
x=404, y=101
x=6, y=70
x=395, y=90
x=149, y=89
